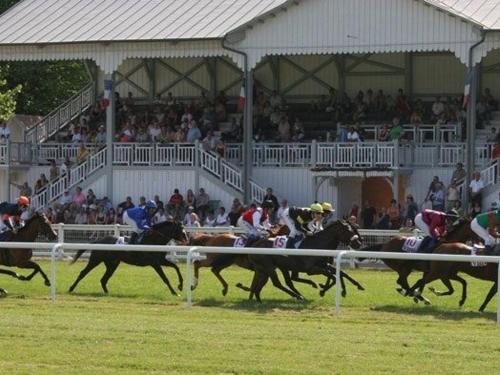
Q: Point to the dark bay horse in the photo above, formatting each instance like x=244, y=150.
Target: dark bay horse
x=449, y=271
x=37, y=225
x=161, y=234
x=460, y=233
x=328, y=239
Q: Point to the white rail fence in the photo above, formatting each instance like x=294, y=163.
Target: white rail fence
x=61, y=116
x=193, y=253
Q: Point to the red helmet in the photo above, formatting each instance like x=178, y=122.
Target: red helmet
x=23, y=201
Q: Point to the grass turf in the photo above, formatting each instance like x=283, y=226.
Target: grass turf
x=140, y=328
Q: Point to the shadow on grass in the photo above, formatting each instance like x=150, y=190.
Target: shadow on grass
x=254, y=306
x=435, y=312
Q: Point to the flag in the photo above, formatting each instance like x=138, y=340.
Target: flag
x=468, y=82
x=242, y=99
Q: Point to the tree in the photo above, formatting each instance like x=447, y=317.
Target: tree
x=8, y=101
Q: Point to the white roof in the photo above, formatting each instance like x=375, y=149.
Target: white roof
x=77, y=21
x=485, y=13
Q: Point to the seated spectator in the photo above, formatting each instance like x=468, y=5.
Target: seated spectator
x=236, y=211
x=202, y=203
x=190, y=198
x=124, y=206
x=458, y=208
x=77, y=136
x=100, y=217
x=284, y=129
x=4, y=132
x=415, y=119
x=142, y=201
x=437, y=109
x=79, y=198
x=81, y=215
x=101, y=135
x=142, y=135
x=111, y=217
x=193, y=222
x=210, y=219
x=91, y=198
x=408, y=228
x=298, y=131
x=221, y=220
x=193, y=133
x=65, y=199
x=352, y=135
x=176, y=205
x=82, y=154
x=158, y=202
x=458, y=174
x=154, y=132
x=396, y=131
x=475, y=209
x=383, y=136
x=126, y=134
x=92, y=214
x=210, y=141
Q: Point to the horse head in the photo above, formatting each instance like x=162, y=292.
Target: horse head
x=173, y=230
x=346, y=233
x=39, y=224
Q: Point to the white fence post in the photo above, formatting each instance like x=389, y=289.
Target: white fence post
x=53, y=253
x=116, y=230
x=338, y=285
x=189, y=276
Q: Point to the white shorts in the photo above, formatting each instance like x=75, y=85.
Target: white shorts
x=419, y=223
x=489, y=240
x=289, y=223
x=249, y=229
x=128, y=221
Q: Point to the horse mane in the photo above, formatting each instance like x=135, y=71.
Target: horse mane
x=458, y=227
x=165, y=224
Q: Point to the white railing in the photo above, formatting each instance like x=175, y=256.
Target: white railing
x=356, y=155
x=4, y=153
x=61, y=116
x=55, y=189
x=421, y=133
x=209, y=162
x=154, y=154
x=282, y=154
x=231, y=176
x=490, y=175
x=257, y=192
x=59, y=151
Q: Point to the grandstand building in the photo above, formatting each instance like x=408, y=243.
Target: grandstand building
x=306, y=54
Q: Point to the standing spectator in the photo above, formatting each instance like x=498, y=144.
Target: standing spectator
x=368, y=215
x=458, y=174
x=284, y=129
x=4, y=132
x=298, y=131
x=101, y=135
x=91, y=198
x=24, y=189
x=154, y=131
x=396, y=131
x=438, y=198
x=437, y=109
x=236, y=211
x=221, y=220
x=411, y=208
x=281, y=210
x=394, y=215
x=476, y=189
x=452, y=195
x=354, y=211
x=383, y=221
x=475, y=210
x=81, y=154
x=124, y=206
x=79, y=198
x=190, y=199
x=432, y=187
x=271, y=197
x=176, y=204
x=383, y=136
x=158, y=202
x=202, y=203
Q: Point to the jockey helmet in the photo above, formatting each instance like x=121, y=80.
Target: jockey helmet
x=267, y=204
x=316, y=207
x=23, y=201
x=151, y=204
x=327, y=207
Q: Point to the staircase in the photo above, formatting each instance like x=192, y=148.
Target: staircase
x=228, y=174
x=91, y=167
x=61, y=116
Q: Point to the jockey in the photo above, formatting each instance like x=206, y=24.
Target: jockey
x=255, y=220
x=297, y=220
x=139, y=218
x=487, y=227
x=434, y=224
x=328, y=213
x=12, y=211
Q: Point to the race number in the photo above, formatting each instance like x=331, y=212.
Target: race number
x=280, y=242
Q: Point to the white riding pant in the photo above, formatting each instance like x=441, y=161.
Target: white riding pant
x=248, y=228
x=290, y=224
x=419, y=223
x=489, y=240
x=128, y=221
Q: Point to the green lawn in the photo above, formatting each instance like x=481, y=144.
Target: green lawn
x=140, y=328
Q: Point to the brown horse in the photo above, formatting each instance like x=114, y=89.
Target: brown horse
x=449, y=271
x=460, y=233
x=37, y=225
x=224, y=240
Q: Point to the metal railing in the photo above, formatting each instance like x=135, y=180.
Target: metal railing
x=154, y=154
x=61, y=116
x=4, y=153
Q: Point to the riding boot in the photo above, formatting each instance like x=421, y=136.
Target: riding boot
x=489, y=250
x=133, y=238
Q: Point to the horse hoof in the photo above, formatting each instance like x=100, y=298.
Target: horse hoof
x=360, y=288
x=180, y=287
x=415, y=299
x=461, y=303
x=427, y=303
x=344, y=293
x=224, y=291
x=321, y=293
x=47, y=283
x=402, y=292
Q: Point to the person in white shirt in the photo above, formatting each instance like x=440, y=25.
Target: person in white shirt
x=100, y=137
x=437, y=108
x=352, y=135
x=4, y=132
x=159, y=217
x=187, y=216
x=154, y=132
x=476, y=189
x=210, y=219
x=221, y=219
x=281, y=210
x=65, y=199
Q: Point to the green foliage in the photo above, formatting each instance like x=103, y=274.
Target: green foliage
x=8, y=101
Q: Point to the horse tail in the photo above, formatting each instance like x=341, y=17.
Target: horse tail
x=77, y=255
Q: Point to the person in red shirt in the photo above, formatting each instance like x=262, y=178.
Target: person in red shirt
x=176, y=204
x=255, y=219
x=434, y=224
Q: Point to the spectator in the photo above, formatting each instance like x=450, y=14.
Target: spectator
x=124, y=206
x=142, y=201
x=194, y=133
x=352, y=135
x=91, y=198
x=458, y=174
x=111, y=216
x=79, y=198
x=194, y=221
x=408, y=227
x=236, y=210
x=176, y=204
x=271, y=197
x=202, y=203
x=154, y=132
x=452, y=195
x=394, y=215
x=458, y=208
x=221, y=220
x=368, y=214
x=354, y=210
x=475, y=209
x=383, y=136
x=92, y=214
x=187, y=216
x=432, y=187
x=24, y=189
x=44, y=180
x=396, y=131
x=65, y=199
x=437, y=109
x=411, y=208
x=210, y=141
x=159, y=216
x=437, y=198
x=190, y=198
x=383, y=221
x=101, y=135
x=38, y=186
x=220, y=148
x=476, y=189
x=210, y=219
x=81, y=215
x=82, y=154
x=158, y=202
x=492, y=137
x=4, y=132
x=298, y=131
x=284, y=129
x=65, y=166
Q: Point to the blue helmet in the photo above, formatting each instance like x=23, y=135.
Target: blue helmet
x=151, y=204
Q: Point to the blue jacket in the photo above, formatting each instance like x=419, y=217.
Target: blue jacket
x=8, y=210
x=140, y=216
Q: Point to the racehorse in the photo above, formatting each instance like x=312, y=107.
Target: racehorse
x=449, y=271
x=21, y=258
x=160, y=234
x=216, y=262
x=460, y=233
x=328, y=239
